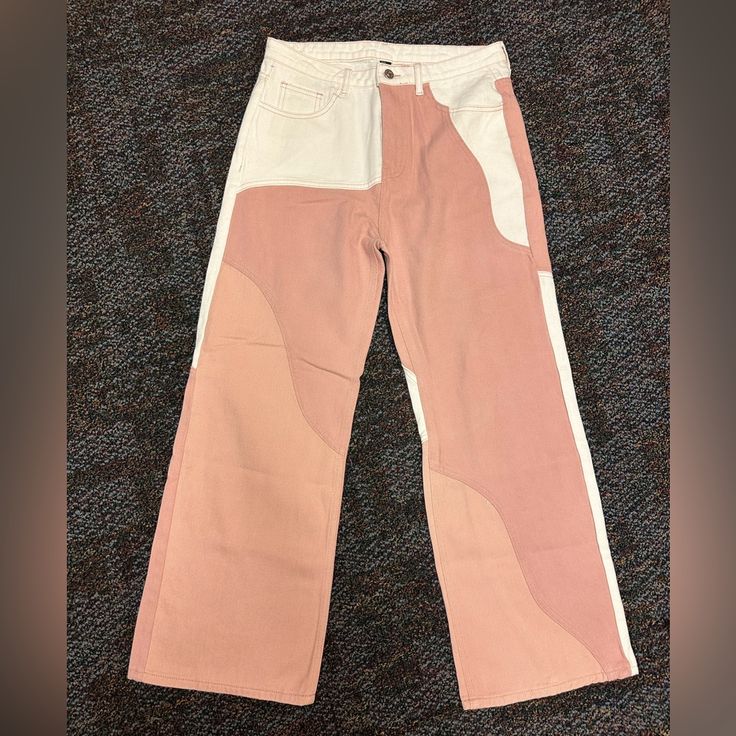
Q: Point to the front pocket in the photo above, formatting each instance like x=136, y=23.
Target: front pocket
x=483, y=136
x=472, y=92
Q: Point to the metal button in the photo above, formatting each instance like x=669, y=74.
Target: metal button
x=388, y=74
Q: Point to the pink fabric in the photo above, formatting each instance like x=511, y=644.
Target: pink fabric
x=467, y=308
x=313, y=252
x=149, y=602
x=242, y=606
x=506, y=646
x=238, y=587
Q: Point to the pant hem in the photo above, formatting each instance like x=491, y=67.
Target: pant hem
x=276, y=696
x=489, y=701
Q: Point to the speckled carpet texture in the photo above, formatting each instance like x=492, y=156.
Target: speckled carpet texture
x=157, y=91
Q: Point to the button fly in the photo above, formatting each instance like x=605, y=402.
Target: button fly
x=388, y=74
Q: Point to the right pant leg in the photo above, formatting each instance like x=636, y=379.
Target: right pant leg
x=239, y=579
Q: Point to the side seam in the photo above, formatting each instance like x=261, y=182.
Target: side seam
x=227, y=206
x=521, y=150
x=160, y=547
x=562, y=361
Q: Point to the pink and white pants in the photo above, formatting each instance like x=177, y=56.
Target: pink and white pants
x=354, y=162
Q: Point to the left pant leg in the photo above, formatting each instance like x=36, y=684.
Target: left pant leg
x=514, y=511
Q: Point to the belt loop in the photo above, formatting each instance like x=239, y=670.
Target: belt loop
x=345, y=81
x=418, y=79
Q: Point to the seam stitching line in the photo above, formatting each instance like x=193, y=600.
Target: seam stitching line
x=225, y=684
x=608, y=675
x=317, y=183
x=302, y=116
x=443, y=580
x=547, y=610
x=571, y=434
x=521, y=248
x=269, y=301
x=522, y=153
x=193, y=376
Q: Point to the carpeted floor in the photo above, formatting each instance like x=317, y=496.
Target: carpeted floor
x=156, y=94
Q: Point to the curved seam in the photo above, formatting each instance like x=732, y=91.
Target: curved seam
x=224, y=684
x=550, y=612
x=573, y=439
x=301, y=116
x=286, y=350
x=316, y=183
x=443, y=581
x=520, y=248
x=171, y=520
x=521, y=151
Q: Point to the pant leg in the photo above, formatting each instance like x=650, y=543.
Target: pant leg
x=514, y=511
x=238, y=585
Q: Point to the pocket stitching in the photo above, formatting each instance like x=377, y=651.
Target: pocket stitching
x=302, y=90
x=491, y=75
x=476, y=108
x=302, y=115
x=520, y=248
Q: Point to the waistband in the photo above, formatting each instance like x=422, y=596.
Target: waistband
x=365, y=62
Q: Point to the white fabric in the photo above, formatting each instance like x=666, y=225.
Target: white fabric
x=554, y=326
x=223, y=222
x=364, y=59
x=295, y=105
x=302, y=87
x=416, y=402
x=476, y=109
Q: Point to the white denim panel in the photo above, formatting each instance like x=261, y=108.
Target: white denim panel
x=416, y=402
x=554, y=327
x=476, y=109
x=223, y=222
x=335, y=144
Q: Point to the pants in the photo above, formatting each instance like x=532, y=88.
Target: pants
x=357, y=161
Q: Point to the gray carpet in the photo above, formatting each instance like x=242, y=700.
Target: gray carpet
x=156, y=94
